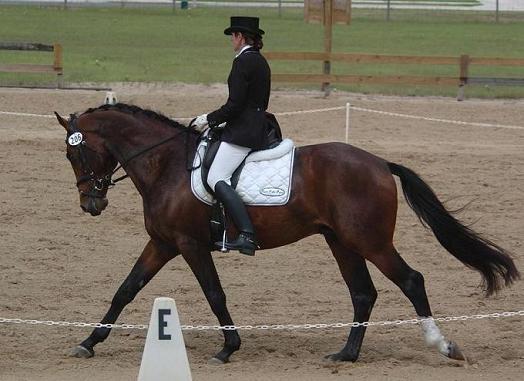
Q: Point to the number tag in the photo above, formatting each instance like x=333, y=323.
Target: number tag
x=75, y=139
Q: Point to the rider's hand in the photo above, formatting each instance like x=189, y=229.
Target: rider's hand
x=200, y=122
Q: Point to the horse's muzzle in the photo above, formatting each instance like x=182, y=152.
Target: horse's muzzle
x=92, y=205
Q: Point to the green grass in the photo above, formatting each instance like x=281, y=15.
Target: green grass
x=130, y=44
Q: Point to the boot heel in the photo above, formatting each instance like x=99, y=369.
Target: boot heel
x=247, y=251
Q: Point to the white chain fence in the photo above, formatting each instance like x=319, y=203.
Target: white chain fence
x=310, y=111
x=290, y=327
x=339, y=108
x=491, y=125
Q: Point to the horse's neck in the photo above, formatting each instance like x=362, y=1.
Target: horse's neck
x=136, y=146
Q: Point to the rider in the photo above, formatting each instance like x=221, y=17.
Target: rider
x=246, y=125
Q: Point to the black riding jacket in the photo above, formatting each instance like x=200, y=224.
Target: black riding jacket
x=249, y=87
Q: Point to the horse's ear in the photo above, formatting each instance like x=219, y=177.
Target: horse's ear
x=61, y=120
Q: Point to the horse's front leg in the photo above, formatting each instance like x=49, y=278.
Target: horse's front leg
x=363, y=295
x=201, y=263
x=150, y=262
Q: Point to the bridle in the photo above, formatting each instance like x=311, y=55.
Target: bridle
x=100, y=184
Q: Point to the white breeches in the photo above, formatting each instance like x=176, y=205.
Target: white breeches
x=228, y=158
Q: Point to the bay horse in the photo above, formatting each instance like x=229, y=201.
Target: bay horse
x=354, y=208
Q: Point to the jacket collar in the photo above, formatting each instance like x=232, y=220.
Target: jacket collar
x=244, y=48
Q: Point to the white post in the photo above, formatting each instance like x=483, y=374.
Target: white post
x=348, y=106
x=110, y=98
x=164, y=357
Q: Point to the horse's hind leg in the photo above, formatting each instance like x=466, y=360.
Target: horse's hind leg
x=152, y=259
x=411, y=283
x=363, y=295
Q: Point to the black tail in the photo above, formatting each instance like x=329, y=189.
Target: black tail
x=476, y=252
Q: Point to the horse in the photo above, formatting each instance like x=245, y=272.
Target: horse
x=354, y=208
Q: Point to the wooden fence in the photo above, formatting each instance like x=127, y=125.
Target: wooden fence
x=55, y=68
x=463, y=65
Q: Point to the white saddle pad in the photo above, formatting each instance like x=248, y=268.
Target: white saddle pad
x=265, y=179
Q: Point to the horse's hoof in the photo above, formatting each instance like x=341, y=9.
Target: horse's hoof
x=455, y=353
x=337, y=357
x=81, y=352
x=215, y=361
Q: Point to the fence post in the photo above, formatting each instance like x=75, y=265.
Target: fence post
x=328, y=39
x=57, y=64
x=348, y=107
x=463, y=79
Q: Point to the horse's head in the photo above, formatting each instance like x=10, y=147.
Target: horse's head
x=92, y=163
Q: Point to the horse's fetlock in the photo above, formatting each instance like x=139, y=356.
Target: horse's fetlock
x=233, y=346
x=433, y=336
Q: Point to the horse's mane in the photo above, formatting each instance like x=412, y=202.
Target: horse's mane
x=135, y=110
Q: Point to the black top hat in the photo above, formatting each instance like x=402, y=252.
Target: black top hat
x=244, y=24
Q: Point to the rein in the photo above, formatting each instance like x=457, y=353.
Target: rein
x=135, y=155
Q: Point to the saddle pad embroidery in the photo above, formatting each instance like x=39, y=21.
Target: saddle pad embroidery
x=261, y=183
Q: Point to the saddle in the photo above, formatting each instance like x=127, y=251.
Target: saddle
x=212, y=143
x=263, y=178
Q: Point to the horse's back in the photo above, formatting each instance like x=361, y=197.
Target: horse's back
x=329, y=158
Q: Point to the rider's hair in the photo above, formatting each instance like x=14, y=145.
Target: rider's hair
x=255, y=40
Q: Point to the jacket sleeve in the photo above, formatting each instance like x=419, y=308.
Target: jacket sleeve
x=236, y=102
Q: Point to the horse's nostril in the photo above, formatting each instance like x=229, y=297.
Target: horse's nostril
x=83, y=208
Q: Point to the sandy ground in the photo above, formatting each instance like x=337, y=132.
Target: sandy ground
x=59, y=264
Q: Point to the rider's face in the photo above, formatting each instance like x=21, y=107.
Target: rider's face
x=238, y=41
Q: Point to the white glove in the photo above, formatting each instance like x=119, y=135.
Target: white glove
x=200, y=122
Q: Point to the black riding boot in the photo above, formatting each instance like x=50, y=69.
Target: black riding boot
x=234, y=205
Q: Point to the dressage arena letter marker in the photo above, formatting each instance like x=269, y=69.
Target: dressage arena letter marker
x=164, y=356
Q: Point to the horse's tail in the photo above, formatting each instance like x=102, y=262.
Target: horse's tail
x=476, y=252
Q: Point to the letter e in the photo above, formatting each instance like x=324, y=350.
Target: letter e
x=162, y=324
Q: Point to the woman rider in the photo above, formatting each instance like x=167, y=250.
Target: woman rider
x=246, y=125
